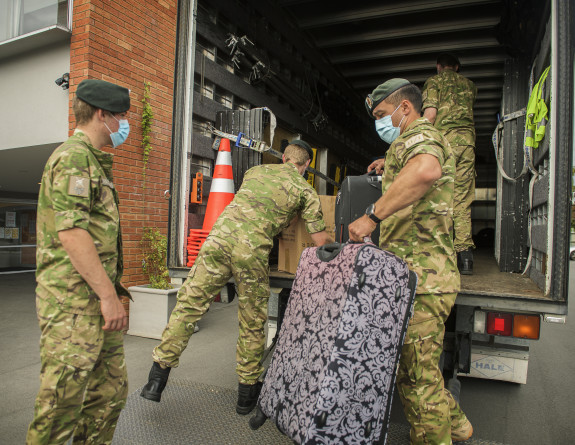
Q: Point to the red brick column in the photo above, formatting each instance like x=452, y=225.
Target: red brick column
x=130, y=42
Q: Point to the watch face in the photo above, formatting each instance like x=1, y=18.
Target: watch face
x=370, y=209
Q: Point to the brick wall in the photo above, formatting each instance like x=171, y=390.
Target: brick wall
x=130, y=42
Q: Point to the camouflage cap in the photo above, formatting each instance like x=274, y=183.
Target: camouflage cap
x=304, y=145
x=105, y=95
x=381, y=92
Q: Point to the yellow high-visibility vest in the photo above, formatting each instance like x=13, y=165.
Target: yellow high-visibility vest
x=536, y=114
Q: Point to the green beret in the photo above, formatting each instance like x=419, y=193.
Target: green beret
x=304, y=145
x=381, y=92
x=104, y=95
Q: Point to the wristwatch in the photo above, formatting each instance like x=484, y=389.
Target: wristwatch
x=370, y=211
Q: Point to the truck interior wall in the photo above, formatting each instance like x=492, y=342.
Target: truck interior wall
x=512, y=197
x=288, y=59
x=540, y=205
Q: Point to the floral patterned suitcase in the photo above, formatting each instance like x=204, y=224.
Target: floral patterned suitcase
x=332, y=373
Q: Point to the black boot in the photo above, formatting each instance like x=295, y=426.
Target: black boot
x=247, y=397
x=157, y=380
x=465, y=262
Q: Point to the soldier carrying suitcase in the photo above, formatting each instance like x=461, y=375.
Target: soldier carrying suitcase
x=415, y=214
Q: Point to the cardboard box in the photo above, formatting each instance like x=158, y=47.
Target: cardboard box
x=294, y=239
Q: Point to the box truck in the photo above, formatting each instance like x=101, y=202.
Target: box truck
x=263, y=72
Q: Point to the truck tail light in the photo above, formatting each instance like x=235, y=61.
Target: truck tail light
x=499, y=324
x=526, y=326
x=507, y=324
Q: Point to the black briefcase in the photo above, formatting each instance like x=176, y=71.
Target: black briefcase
x=355, y=195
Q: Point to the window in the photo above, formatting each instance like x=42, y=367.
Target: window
x=17, y=236
x=20, y=17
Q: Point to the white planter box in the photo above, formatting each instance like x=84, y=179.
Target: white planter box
x=150, y=310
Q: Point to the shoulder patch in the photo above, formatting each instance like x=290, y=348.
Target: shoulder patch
x=79, y=186
x=413, y=140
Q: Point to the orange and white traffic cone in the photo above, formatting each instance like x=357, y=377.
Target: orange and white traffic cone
x=195, y=242
x=222, y=188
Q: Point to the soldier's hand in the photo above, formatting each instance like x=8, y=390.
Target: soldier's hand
x=115, y=317
x=378, y=165
x=361, y=228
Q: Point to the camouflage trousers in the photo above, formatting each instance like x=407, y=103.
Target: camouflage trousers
x=217, y=262
x=83, y=379
x=430, y=408
x=462, y=144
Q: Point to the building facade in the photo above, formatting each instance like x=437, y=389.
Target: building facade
x=47, y=47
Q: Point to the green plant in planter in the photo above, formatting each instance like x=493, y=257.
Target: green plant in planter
x=154, y=248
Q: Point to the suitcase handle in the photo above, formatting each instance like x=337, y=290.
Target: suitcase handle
x=366, y=240
x=373, y=178
x=328, y=252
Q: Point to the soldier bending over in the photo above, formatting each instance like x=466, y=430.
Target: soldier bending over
x=239, y=245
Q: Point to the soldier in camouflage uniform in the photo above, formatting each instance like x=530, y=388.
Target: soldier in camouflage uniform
x=83, y=379
x=448, y=100
x=415, y=212
x=239, y=245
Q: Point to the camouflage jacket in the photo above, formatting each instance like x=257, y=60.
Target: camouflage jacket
x=77, y=191
x=453, y=96
x=422, y=233
x=270, y=196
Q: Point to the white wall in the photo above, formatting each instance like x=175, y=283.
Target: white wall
x=33, y=109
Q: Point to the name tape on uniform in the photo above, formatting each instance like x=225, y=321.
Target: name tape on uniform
x=413, y=140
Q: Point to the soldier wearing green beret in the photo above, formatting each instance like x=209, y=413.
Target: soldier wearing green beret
x=83, y=380
x=415, y=216
x=239, y=245
x=448, y=99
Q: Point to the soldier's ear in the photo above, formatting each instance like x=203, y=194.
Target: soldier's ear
x=406, y=106
x=100, y=114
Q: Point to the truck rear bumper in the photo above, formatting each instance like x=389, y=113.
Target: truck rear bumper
x=498, y=364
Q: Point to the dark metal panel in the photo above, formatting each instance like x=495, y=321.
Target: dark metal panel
x=477, y=24
x=251, y=124
x=353, y=13
x=201, y=147
x=563, y=148
x=415, y=48
x=541, y=153
x=541, y=190
x=537, y=277
x=513, y=237
x=539, y=238
x=205, y=107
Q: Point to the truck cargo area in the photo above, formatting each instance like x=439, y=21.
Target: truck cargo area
x=272, y=71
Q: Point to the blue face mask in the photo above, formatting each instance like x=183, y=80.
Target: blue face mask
x=120, y=136
x=385, y=128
